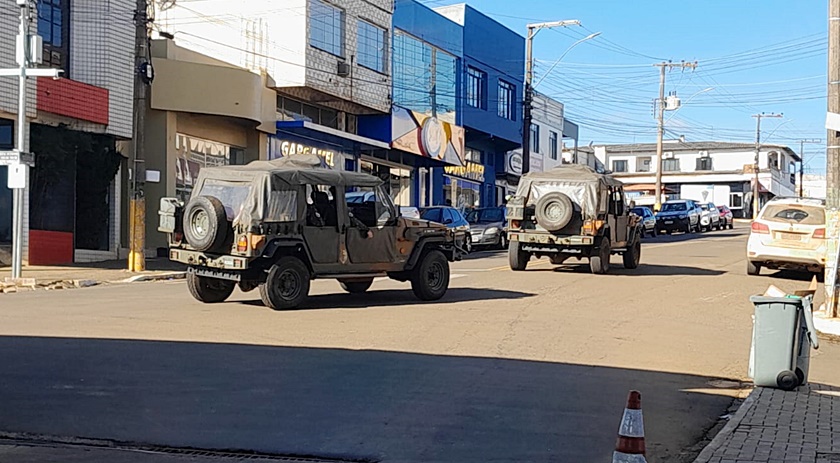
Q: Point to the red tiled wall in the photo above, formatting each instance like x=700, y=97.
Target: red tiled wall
x=70, y=98
x=50, y=248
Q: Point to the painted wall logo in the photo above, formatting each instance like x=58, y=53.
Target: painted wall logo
x=471, y=170
x=427, y=136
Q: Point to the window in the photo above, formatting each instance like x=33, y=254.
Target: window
x=293, y=110
x=704, y=163
x=6, y=134
x=476, y=88
x=472, y=155
x=670, y=165
x=507, y=100
x=416, y=87
x=54, y=29
x=326, y=28
x=643, y=165
x=552, y=145
x=619, y=166
x=736, y=200
x=535, y=138
x=371, y=43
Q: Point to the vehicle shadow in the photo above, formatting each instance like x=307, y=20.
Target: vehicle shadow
x=679, y=237
x=396, y=297
x=364, y=405
x=643, y=270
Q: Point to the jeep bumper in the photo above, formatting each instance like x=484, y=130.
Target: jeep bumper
x=197, y=258
x=548, y=238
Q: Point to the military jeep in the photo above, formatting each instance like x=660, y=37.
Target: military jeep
x=277, y=225
x=572, y=211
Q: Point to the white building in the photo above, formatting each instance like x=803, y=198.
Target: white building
x=75, y=127
x=814, y=186
x=719, y=172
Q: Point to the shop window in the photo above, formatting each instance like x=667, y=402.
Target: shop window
x=54, y=29
x=193, y=154
x=552, y=145
x=736, y=200
x=396, y=180
x=372, y=50
x=326, y=27
x=7, y=134
x=472, y=155
x=535, y=138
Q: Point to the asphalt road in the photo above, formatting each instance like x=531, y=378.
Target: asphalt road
x=509, y=366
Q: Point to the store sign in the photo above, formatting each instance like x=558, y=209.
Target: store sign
x=514, y=163
x=471, y=171
x=427, y=135
x=278, y=148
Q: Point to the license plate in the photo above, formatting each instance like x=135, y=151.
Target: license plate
x=790, y=236
x=669, y=222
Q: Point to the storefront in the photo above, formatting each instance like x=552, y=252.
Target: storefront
x=194, y=153
x=462, y=186
x=398, y=178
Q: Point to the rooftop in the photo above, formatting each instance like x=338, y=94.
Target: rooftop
x=677, y=145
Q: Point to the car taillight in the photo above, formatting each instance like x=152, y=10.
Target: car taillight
x=591, y=227
x=819, y=233
x=515, y=224
x=760, y=228
x=242, y=243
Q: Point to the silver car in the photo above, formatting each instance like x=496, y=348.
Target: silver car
x=710, y=217
x=487, y=227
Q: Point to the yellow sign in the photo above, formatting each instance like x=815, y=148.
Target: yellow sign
x=472, y=170
x=288, y=148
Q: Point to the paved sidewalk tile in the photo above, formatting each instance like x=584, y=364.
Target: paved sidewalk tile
x=780, y=426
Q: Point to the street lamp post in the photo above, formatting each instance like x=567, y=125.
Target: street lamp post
x=533, y=30
x=756, y=202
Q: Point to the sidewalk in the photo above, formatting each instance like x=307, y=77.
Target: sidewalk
x=775, y=426
x=88, y=274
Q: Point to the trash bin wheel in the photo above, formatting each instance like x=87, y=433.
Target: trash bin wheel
x=787, y=380
x=800, y=375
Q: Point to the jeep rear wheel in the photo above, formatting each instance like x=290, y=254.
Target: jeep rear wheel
x=430, y=279
x=287, y=284
x=599, y=263
x=518, y=259
x=356, y=286
x=209, y=290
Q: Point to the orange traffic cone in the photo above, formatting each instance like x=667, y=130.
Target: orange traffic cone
x=630, y=447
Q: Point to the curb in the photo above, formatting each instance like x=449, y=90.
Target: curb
x=724, y=434
x=155, y=277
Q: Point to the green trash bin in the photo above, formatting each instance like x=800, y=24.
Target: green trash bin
x=783, y=334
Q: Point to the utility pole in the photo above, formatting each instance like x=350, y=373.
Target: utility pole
x=832, y=160
x=660, y=122
x=29, y=51
x=802, y=164
x=143, y=76
x=528, y=100
x=756, y=189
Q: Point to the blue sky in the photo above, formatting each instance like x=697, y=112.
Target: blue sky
x=756, y=55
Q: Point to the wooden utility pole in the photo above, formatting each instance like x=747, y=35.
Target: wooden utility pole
x=802, y=164
x=832, y=159
x=756, y=203
x=143, y=75
x=660, y=122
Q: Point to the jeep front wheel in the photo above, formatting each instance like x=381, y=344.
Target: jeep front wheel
x=356, y=286
x=430, y=278
x=209, y=290
x=517, y=259
x=287, y=284
x=633, y=255
x=599, y=263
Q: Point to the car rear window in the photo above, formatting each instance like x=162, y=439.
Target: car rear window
x=433, y=215
x=794, y=213
x=231, y=194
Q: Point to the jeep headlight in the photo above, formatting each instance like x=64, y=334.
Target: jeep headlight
x=491, y=231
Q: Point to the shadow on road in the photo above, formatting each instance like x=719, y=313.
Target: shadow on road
x=395, y=297
x=644, y=269
x=363, y=404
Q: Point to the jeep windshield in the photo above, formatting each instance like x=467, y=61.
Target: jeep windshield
x=232, y=195
x=674, y=207
x=490, y=215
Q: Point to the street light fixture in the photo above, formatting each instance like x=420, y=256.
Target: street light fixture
x=588, y=37
x=533, y=30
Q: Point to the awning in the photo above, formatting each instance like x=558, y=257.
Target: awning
x=348, y=142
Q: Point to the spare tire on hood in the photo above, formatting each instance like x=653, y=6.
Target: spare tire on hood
x=554, y=211
x=206, y=226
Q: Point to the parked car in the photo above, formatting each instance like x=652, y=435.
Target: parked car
x=648, y=220
x=487, y=227
x=789, y=233
x=277, y=225
x=454, y=220
x=727, y=219
x=678, y=215
x=572, y=211
x=409, y=212
x=709, y=217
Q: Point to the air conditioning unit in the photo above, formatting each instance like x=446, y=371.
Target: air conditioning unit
x=343, y=69
x=704, y=154
x=668, y=155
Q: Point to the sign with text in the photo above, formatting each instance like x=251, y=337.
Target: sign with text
x=8, y=158
x=282, y=147
x=471, y=171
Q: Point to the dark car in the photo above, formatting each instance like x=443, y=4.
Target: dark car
x=727, y=219
x=454, y=220
x=678, y=215
x=487, y=227
x=648, y=220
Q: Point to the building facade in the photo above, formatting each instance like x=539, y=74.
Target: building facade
x=719, y=172
x=76, y=127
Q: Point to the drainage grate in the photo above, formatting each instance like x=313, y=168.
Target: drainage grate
x=37, y=440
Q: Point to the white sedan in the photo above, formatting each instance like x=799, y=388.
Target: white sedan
x=788, y=233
